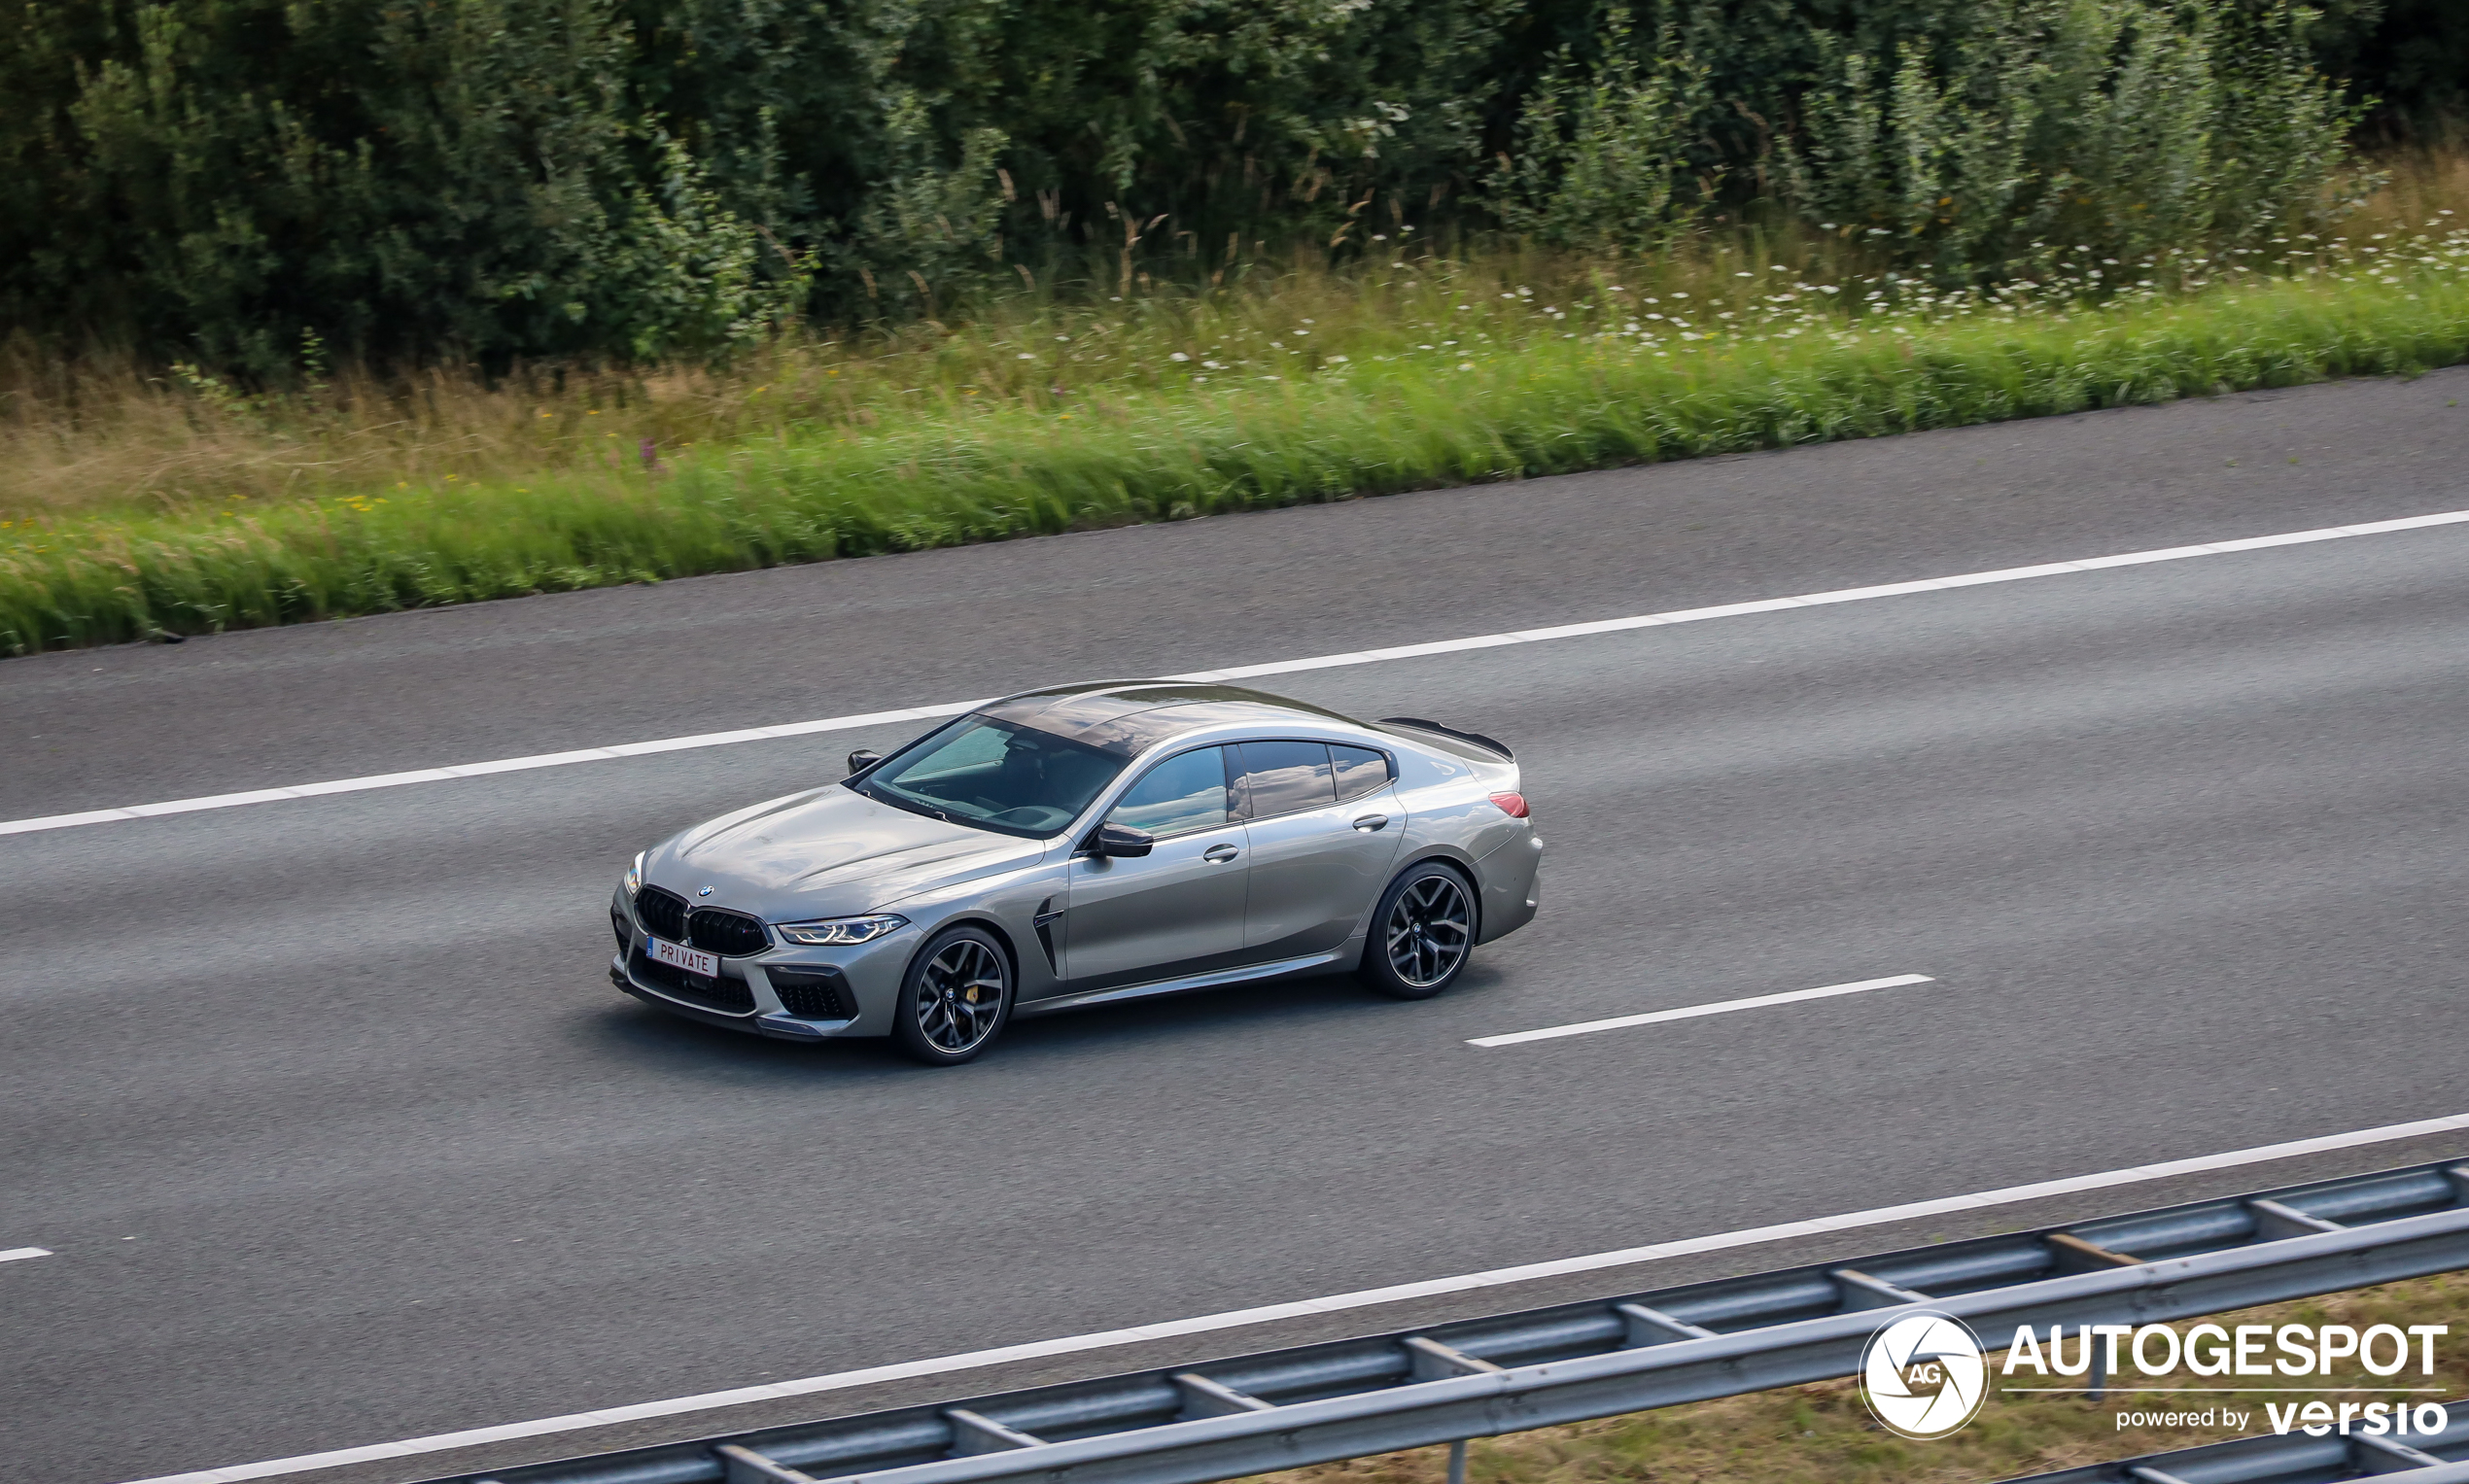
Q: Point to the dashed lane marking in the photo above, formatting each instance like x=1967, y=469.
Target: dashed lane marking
x=1692, y=1012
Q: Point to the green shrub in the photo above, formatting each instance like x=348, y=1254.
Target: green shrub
x=207, y=181
x=2123, y=127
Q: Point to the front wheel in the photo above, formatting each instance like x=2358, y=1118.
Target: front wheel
x=954, y=999
x=1420, y=934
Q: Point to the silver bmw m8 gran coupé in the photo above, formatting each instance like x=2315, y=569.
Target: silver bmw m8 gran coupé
x=1078, y=846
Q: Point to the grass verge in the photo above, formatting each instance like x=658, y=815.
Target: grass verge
x=1823, y=1434
x=1513, y=394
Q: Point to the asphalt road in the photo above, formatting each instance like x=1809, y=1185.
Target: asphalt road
x=339, y=1134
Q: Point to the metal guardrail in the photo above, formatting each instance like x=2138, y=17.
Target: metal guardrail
x=1509, y=1373
x=2422, y=1459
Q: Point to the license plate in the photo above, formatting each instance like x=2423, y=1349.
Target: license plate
x=692, y=960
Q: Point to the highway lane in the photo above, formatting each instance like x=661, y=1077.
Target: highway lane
x=94, y=729
x=340, y=1137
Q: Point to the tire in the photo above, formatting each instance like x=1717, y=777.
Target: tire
x=955, y=998
x=1422, y=932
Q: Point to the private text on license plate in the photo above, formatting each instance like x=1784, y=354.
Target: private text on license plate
x=692, y=960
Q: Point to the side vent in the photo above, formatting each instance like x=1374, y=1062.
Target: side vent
x=1045, y=921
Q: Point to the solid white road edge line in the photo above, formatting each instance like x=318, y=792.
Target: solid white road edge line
x=14, y=1253
x=1237, y=672
x=1237, y=1318
x=1692, y=1012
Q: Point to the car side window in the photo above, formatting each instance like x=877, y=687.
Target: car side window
x=1185, y=792
x=1360, y=770
x=1281, y=778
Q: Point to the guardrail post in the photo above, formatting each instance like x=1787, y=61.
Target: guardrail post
x=2381, y=1455
x=2070, y=1254
x=1433, y=1361
x=972, y=1433
x=2274, y=1220
x=1205, y=1397
x=740, y=1463
x=1653, y=1327
x=1860, y=1291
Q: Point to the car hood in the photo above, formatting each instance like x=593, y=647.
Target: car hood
x=828, y=852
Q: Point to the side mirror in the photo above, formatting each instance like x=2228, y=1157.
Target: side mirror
x=1121, y=840
x=861, y=760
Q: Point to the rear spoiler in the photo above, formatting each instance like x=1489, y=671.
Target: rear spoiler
x=1476, y=738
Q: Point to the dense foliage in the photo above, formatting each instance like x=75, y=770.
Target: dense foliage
x=261, y=184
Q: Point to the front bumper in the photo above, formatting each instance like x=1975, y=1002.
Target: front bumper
x=865, y=979
x=779, y=1024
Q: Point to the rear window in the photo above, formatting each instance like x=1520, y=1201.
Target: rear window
x=1360, y=770
x=1281, y=778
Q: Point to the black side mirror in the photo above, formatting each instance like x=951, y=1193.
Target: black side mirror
x=1121, y=840
x=861, y=760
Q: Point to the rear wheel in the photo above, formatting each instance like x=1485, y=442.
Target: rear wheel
x=1422, y=933
x=955, y=999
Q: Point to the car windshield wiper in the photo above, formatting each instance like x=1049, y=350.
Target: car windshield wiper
x=899, y=800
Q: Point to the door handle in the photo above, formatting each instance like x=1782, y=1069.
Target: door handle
x=1370, y=823
x=1219, y=853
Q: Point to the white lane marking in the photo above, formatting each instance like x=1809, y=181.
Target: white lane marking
x=14, y=1253
x=1692, y=1012
x=1236, y=672
x=1300, y=1308
x=481, y=769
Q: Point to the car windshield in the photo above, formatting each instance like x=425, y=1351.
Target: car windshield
x=994, y=775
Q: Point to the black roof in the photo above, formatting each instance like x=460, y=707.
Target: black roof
x=1128, y=717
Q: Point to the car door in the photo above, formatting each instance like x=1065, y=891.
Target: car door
x=1325, y=824
x=1177, y=910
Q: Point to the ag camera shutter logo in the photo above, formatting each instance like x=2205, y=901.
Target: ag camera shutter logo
x=1923, y=1375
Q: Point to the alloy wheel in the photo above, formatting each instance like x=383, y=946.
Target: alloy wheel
x=960, y=996
x=1429, y=930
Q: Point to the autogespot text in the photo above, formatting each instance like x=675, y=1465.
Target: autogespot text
x=2280, y=1352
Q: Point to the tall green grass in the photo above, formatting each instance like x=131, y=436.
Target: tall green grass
x=1625, y=385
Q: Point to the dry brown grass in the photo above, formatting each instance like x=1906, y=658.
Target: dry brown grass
x=1821, y=1435
x=2422, y=184
x=100, y=431
x=99, y=434
x=103, y=435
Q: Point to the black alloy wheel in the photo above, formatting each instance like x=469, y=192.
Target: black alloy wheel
x=955, y=998
x=1422, y=933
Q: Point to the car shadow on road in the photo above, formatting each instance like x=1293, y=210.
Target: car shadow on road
x=1205, y=1019
x=647, y=1040
x=1204, y=1026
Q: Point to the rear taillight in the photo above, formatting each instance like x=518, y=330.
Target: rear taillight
x=1512, y=805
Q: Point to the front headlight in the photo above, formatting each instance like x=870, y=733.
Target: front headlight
x=634, y=873
x=838, y=930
